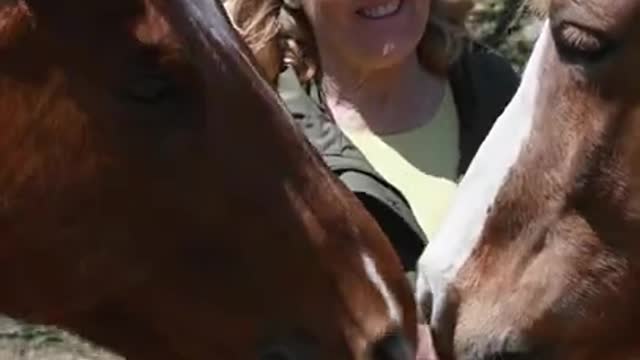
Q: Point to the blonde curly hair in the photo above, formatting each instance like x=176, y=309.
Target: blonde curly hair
x=279, y=36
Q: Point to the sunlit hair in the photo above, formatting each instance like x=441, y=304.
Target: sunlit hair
x=539, y=7
x=279, y=35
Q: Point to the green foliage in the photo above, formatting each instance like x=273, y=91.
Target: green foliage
x=507, y=26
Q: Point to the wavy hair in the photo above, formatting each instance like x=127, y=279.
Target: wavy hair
x=281, y=36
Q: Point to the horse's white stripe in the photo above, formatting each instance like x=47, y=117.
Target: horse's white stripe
x=445, y=255
x=395, y=313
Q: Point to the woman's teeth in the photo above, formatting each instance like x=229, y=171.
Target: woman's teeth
x=380, y=11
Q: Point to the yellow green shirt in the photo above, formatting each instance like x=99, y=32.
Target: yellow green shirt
x=422, y=162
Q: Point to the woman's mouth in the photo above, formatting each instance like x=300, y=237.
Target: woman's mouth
x=380, y=11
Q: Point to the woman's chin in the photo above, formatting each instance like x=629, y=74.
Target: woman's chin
x=385, y=55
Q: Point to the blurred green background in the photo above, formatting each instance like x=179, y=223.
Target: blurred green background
x=507, y=26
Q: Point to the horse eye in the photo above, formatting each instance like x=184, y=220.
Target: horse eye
x=278, y=354
x=576, y=43
x=149, y=89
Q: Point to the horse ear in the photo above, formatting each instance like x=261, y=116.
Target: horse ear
x=15, y=20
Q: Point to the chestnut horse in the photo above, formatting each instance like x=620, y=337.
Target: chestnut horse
x=156, y=198
x=539, y=257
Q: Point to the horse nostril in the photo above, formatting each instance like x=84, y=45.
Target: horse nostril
x=425, y=306
x=393, y=346
x=424, y=299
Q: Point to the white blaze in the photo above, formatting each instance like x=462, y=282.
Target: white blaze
x=448, y=251
x=394, y=310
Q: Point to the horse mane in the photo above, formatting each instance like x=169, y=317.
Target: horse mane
x=15, y=21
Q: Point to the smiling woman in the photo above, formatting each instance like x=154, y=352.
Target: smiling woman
x=380, y=11
x=392, y=93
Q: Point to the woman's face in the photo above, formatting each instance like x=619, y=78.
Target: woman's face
x=367, y=33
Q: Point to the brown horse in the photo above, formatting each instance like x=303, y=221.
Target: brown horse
x=156, y=199
x=540, y=255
